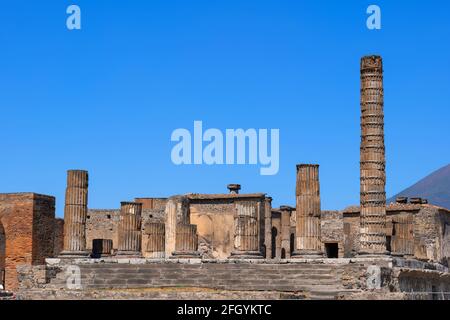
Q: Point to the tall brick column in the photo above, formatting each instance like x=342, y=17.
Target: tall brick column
x=130, y=234
x=372, y=166
x=286, y=230
x=246, y=232
x=308, y=243
x=75, y=213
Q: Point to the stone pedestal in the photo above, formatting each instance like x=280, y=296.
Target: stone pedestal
x=246, y=234
x=372, y=166
x=130, y=229
x=156, y=240
x=308, y=233
x=186, y=242
x=75, y=213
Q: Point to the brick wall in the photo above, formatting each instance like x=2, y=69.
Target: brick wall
x=58, y=243
x=43, y=228
x=27, y=220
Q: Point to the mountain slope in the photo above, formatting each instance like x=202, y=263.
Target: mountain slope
x=435, y=188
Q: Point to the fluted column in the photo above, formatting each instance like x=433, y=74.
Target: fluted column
x=186, y=245
x=246, y=234
x=308, y=242
x=130, y=234
x=286, y=230
x=156, y=240
x=75, y=213
x=372, y=166
x=268, y=226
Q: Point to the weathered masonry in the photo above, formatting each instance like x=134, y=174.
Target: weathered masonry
x=234, y=244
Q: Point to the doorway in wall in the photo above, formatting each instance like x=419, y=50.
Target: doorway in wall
x=332, y=250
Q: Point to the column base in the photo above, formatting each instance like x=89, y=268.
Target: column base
x=246, y=255
x=185, y=255
x=74, y=254
x=307, y=254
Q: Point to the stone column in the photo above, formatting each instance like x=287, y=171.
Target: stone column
x=130, y=233
x=156, y=240
x=308, y=243
x=186, y=245
x=176, y=212
x=246, y=234
x=75, y=213
x=286, y=230
x=372, y=166
x=268, y=226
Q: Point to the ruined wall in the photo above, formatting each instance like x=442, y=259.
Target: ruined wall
x=58, y=243
x=102, y=224
x=43, y=228
x=431, y=234
x=426, y=236
x=149, y=216
x=332, y=229
x=152, y=203
x=351, y=234
x=215, y=227
x=27, y=220
x=445, y=218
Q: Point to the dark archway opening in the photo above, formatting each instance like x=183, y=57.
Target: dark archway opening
x=101, y=247
x=332, y=250
x=274, y=242
x=283, y=254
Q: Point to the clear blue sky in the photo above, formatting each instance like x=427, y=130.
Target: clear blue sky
x=107, y=98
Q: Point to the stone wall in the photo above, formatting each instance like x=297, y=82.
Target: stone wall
x=28, y=222
x=215, y=227
x=43, y=228
x=332, y=229
x=102, y=224
x=310, y=279
x=152, y=203
x=58, y=243
x=431, y=234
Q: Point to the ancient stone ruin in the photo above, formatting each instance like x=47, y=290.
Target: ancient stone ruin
x=233, y=245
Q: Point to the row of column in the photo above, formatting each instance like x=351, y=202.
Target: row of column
x=182, y=236
x=177, y=237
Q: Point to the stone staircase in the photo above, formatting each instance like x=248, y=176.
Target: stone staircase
x=171, y=280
